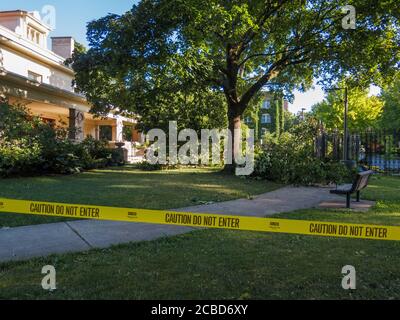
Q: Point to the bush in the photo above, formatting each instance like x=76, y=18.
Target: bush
x=285, y=165
x=19, y=158
x=30, y=147
x=92, y=153
x=290, y=158
x=146, y=166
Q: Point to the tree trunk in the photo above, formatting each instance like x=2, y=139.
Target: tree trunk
x=234, y=125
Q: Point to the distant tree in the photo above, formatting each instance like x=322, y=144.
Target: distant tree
x=364, y=111
x=253, y=113
x=290, y=120
x=391, y=110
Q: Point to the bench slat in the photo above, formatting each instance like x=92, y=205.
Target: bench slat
x=360, y=183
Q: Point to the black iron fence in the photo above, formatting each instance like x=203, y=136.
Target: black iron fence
x=378, y=150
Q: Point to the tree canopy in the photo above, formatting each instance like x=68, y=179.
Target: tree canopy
x=364, y=111
x=391, y=112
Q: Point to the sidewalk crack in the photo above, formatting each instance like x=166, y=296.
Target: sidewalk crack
x=78, y=234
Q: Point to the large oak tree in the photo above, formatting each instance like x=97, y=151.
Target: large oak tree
x=233, y=47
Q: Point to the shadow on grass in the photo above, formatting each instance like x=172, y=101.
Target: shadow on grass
x=129, y=187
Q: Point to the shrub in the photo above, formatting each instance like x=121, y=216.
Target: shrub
x=285, y=165
x=19, y=158
x=30, y=147
x=98, y=149
x=289, y=158
x=146, y=166
x=92, y=153
x=337, y=172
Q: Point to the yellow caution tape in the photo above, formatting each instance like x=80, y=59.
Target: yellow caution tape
x=204, y=220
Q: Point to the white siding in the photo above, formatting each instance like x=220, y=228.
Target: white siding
x=19, y=64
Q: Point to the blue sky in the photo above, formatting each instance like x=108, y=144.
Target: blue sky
x=73, y=15
x=308, y=99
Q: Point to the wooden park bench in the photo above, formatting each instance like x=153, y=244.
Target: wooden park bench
x=360, y=183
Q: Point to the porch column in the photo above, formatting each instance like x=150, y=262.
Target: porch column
x=120, y=130
x=142, y=138
x=76, y=124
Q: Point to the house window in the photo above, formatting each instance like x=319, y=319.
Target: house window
x=34, y=76
x=266, y=104
x=105, y=133
x=34, y=35
x=128, y=133
x=263, y=132
x=247, y=120
x=266, y=118
x=50, y=122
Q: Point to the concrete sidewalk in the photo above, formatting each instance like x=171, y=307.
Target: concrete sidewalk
x=42, y=240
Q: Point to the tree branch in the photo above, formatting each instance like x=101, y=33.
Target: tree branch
x=268, y=12
x=270, y=74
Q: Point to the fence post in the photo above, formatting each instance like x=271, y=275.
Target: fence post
x=357, y=148
x=323, y=145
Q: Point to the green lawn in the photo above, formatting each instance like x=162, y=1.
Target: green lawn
x=220, y=264
x=128, y=187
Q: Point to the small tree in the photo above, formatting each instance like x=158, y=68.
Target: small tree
x=364, y=111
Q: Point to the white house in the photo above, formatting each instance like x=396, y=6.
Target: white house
x=34, y=75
